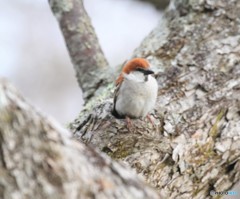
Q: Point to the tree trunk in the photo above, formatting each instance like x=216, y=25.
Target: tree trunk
x=39, y=160
x=195, y=146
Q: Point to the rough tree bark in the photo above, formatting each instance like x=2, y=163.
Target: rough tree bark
x=195, y=146
x=39, y=160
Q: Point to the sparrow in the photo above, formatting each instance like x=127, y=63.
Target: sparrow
x=136, y=91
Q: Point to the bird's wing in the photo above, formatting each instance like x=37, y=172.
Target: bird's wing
x=116, y=93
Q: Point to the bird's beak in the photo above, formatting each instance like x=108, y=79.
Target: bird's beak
x=147, y=72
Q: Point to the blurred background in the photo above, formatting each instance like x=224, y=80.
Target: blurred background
x=33, y=55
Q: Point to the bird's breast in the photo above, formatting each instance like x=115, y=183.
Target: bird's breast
x=136, y=99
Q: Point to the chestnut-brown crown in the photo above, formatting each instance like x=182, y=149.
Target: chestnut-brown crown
x=132, y=65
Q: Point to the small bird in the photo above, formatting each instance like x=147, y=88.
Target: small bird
x=136, y=91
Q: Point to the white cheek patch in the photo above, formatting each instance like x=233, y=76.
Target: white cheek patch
x=135, y=76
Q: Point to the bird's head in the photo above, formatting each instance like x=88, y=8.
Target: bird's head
x=140, y=65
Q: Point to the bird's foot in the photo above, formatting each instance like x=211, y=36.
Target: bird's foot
x=129, y=123
x=150, y=119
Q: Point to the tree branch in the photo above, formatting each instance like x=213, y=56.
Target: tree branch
x=85, y=52
x=39, y=160
x=195, y=146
